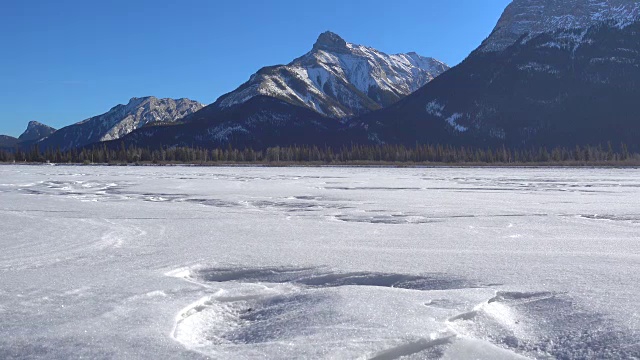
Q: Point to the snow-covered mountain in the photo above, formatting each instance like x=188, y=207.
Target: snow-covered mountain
x=36, y=131
x=261, y=122
x=121, y=120
x=525, y=19
x=553, y=72
x=339, y=79
x=299, y=103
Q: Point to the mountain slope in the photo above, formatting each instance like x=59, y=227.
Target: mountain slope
x=259, y=123
x=36, y=131
x=7, y=141
x=299, y=103
x=120, y=121
x=530, y=18
x=338, y=79
x=535, y=81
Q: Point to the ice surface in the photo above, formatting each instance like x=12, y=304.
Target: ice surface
x=332, y=263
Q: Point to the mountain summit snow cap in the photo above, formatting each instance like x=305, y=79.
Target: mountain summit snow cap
x=530, y=18
x=330, y=41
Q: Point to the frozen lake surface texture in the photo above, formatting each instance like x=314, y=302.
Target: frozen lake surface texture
x=319, y=263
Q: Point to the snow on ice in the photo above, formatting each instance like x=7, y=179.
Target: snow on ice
x=327, y=263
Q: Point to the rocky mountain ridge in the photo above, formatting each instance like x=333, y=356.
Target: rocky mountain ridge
x=339, y=79
x=565, y=86
x=36, y=131
x=121, y=120
x=523, y=20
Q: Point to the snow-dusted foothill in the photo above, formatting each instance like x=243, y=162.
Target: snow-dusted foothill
x=120, y=121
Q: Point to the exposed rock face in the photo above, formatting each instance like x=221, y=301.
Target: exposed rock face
x=553, y=73
x=259, y=123
x=338, y=79
x=290, y=104
x=36, y=131
x=331, y=42
x=529, y=18
x=121, y=120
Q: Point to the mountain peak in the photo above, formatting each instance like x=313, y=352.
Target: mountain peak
x=533, y=17
x=121, y=120
x=331, y=42
x=34, y=123
x=138, y=100
x=36, y=131
x=339, y=79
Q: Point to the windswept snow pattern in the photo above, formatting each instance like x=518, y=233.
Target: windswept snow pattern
x=319, y=263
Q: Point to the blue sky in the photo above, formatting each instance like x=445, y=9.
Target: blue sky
x=66, y=60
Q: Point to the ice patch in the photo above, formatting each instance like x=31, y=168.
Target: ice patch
x=316, y=286
x=281, y=308
x=393, y=219
x=284, y=310
x=534, y=324
x=317, y=278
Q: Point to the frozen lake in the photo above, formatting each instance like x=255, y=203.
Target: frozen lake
x=329, y=263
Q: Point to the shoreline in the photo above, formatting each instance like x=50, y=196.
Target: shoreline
x=353, y=165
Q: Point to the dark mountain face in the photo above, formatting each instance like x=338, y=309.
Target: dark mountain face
x=36, y=131
x=565, y=87
x=7, y=141
x=259, y=123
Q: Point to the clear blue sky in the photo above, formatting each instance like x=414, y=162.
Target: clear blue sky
x=66, y=60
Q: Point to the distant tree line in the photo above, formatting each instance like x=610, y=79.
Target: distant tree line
x=355, y=154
